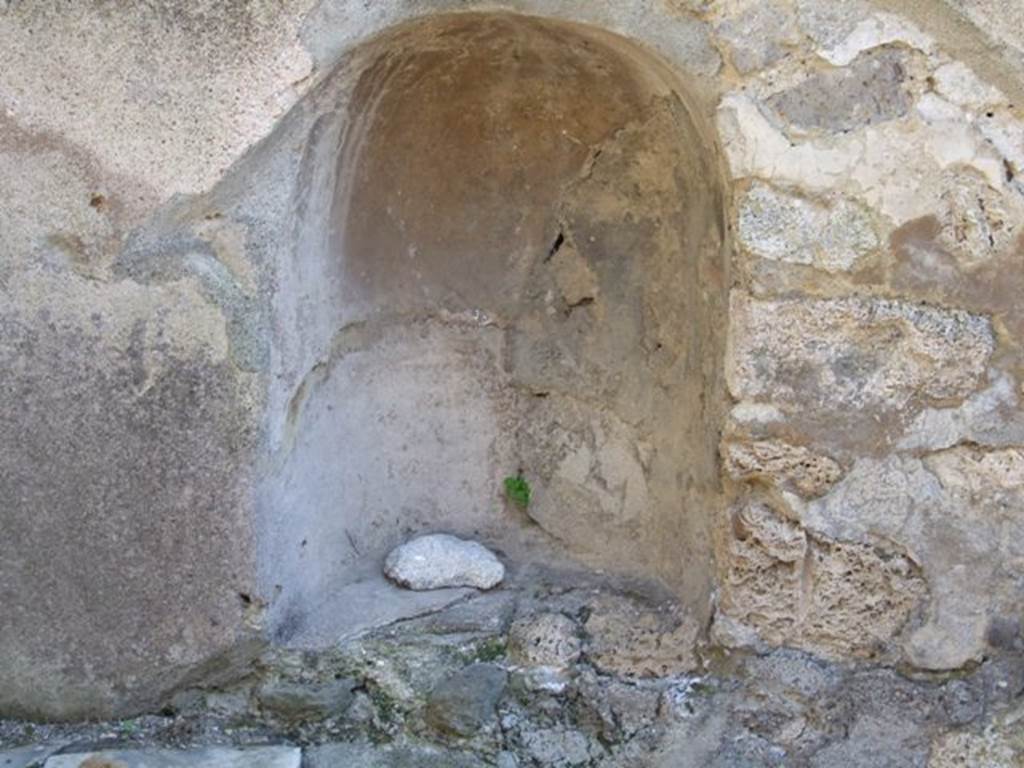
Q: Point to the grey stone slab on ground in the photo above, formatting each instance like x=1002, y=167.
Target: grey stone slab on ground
x=256, y=757
x=489, y=612
x=350, y=610
x=438, y=560
x=25, y=757
x=363, y=755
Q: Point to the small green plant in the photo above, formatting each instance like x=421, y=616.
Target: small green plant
x=702, y=688
x=517, y=490
x=486, y=650
x=491, y=649
x=386, y=706
x=129, y=728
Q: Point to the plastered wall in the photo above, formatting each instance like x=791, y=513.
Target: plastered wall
x=158, y=323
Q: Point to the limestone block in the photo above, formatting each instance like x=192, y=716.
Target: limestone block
x=896, y=166
x=958, y=83
x=827, y=23
x=759, y=592
x=853, y=353
x=871, y=90
x=978, y=223
x=777, y=225
x=758, y=33
x=876, y=30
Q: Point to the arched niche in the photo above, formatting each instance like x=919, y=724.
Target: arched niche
x=519, y=223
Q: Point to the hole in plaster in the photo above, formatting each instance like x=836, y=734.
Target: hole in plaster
x=555, y=246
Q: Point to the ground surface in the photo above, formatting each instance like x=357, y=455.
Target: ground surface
x=539, y=673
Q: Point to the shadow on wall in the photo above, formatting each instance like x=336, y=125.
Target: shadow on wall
x=510, y=256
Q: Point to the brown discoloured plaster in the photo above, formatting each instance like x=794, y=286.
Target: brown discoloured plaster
x=453, y=167
x=923, y=268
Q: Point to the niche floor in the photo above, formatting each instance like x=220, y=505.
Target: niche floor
x=571, y=669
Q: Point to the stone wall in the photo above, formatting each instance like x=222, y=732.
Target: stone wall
x=173, y=333
x=875, y=344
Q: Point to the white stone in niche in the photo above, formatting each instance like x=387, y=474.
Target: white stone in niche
x=439, y=560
